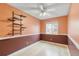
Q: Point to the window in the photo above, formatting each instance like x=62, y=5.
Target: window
x=52, y=28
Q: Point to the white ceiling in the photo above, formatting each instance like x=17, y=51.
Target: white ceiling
x=51, y=9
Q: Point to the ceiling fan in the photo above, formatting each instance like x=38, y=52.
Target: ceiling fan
x=44, y=9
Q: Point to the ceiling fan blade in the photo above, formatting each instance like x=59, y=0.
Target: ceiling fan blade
x=53, y=5
x=41, y=7
x=53, y=13
x=52, y=9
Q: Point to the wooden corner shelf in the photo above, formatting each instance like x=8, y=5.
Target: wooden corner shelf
x=14, y=25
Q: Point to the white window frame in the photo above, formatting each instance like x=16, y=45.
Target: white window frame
x=53, y=29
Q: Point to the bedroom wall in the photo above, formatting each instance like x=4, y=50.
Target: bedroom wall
x=61, y=37
x=73, y=22
x=31, y=23
x=62, y=24
x=10, y=45
x=73, y=28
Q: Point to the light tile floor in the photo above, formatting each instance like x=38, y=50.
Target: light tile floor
x=43, y=48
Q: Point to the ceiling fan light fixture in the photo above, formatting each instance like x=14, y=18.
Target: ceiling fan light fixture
x=43, y=14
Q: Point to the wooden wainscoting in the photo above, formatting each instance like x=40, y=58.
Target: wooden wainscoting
x=72, y=48
x=62, y=39
x=11, y=45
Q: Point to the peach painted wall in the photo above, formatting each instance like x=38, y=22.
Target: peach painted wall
x=73, y=22
x=62, y=21
x=31, y=23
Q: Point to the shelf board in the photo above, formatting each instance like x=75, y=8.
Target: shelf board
x=11, y=20
x=18, y=29
x=20, y=15
x=18, y=24
x=23, y=27
x=17, y=18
